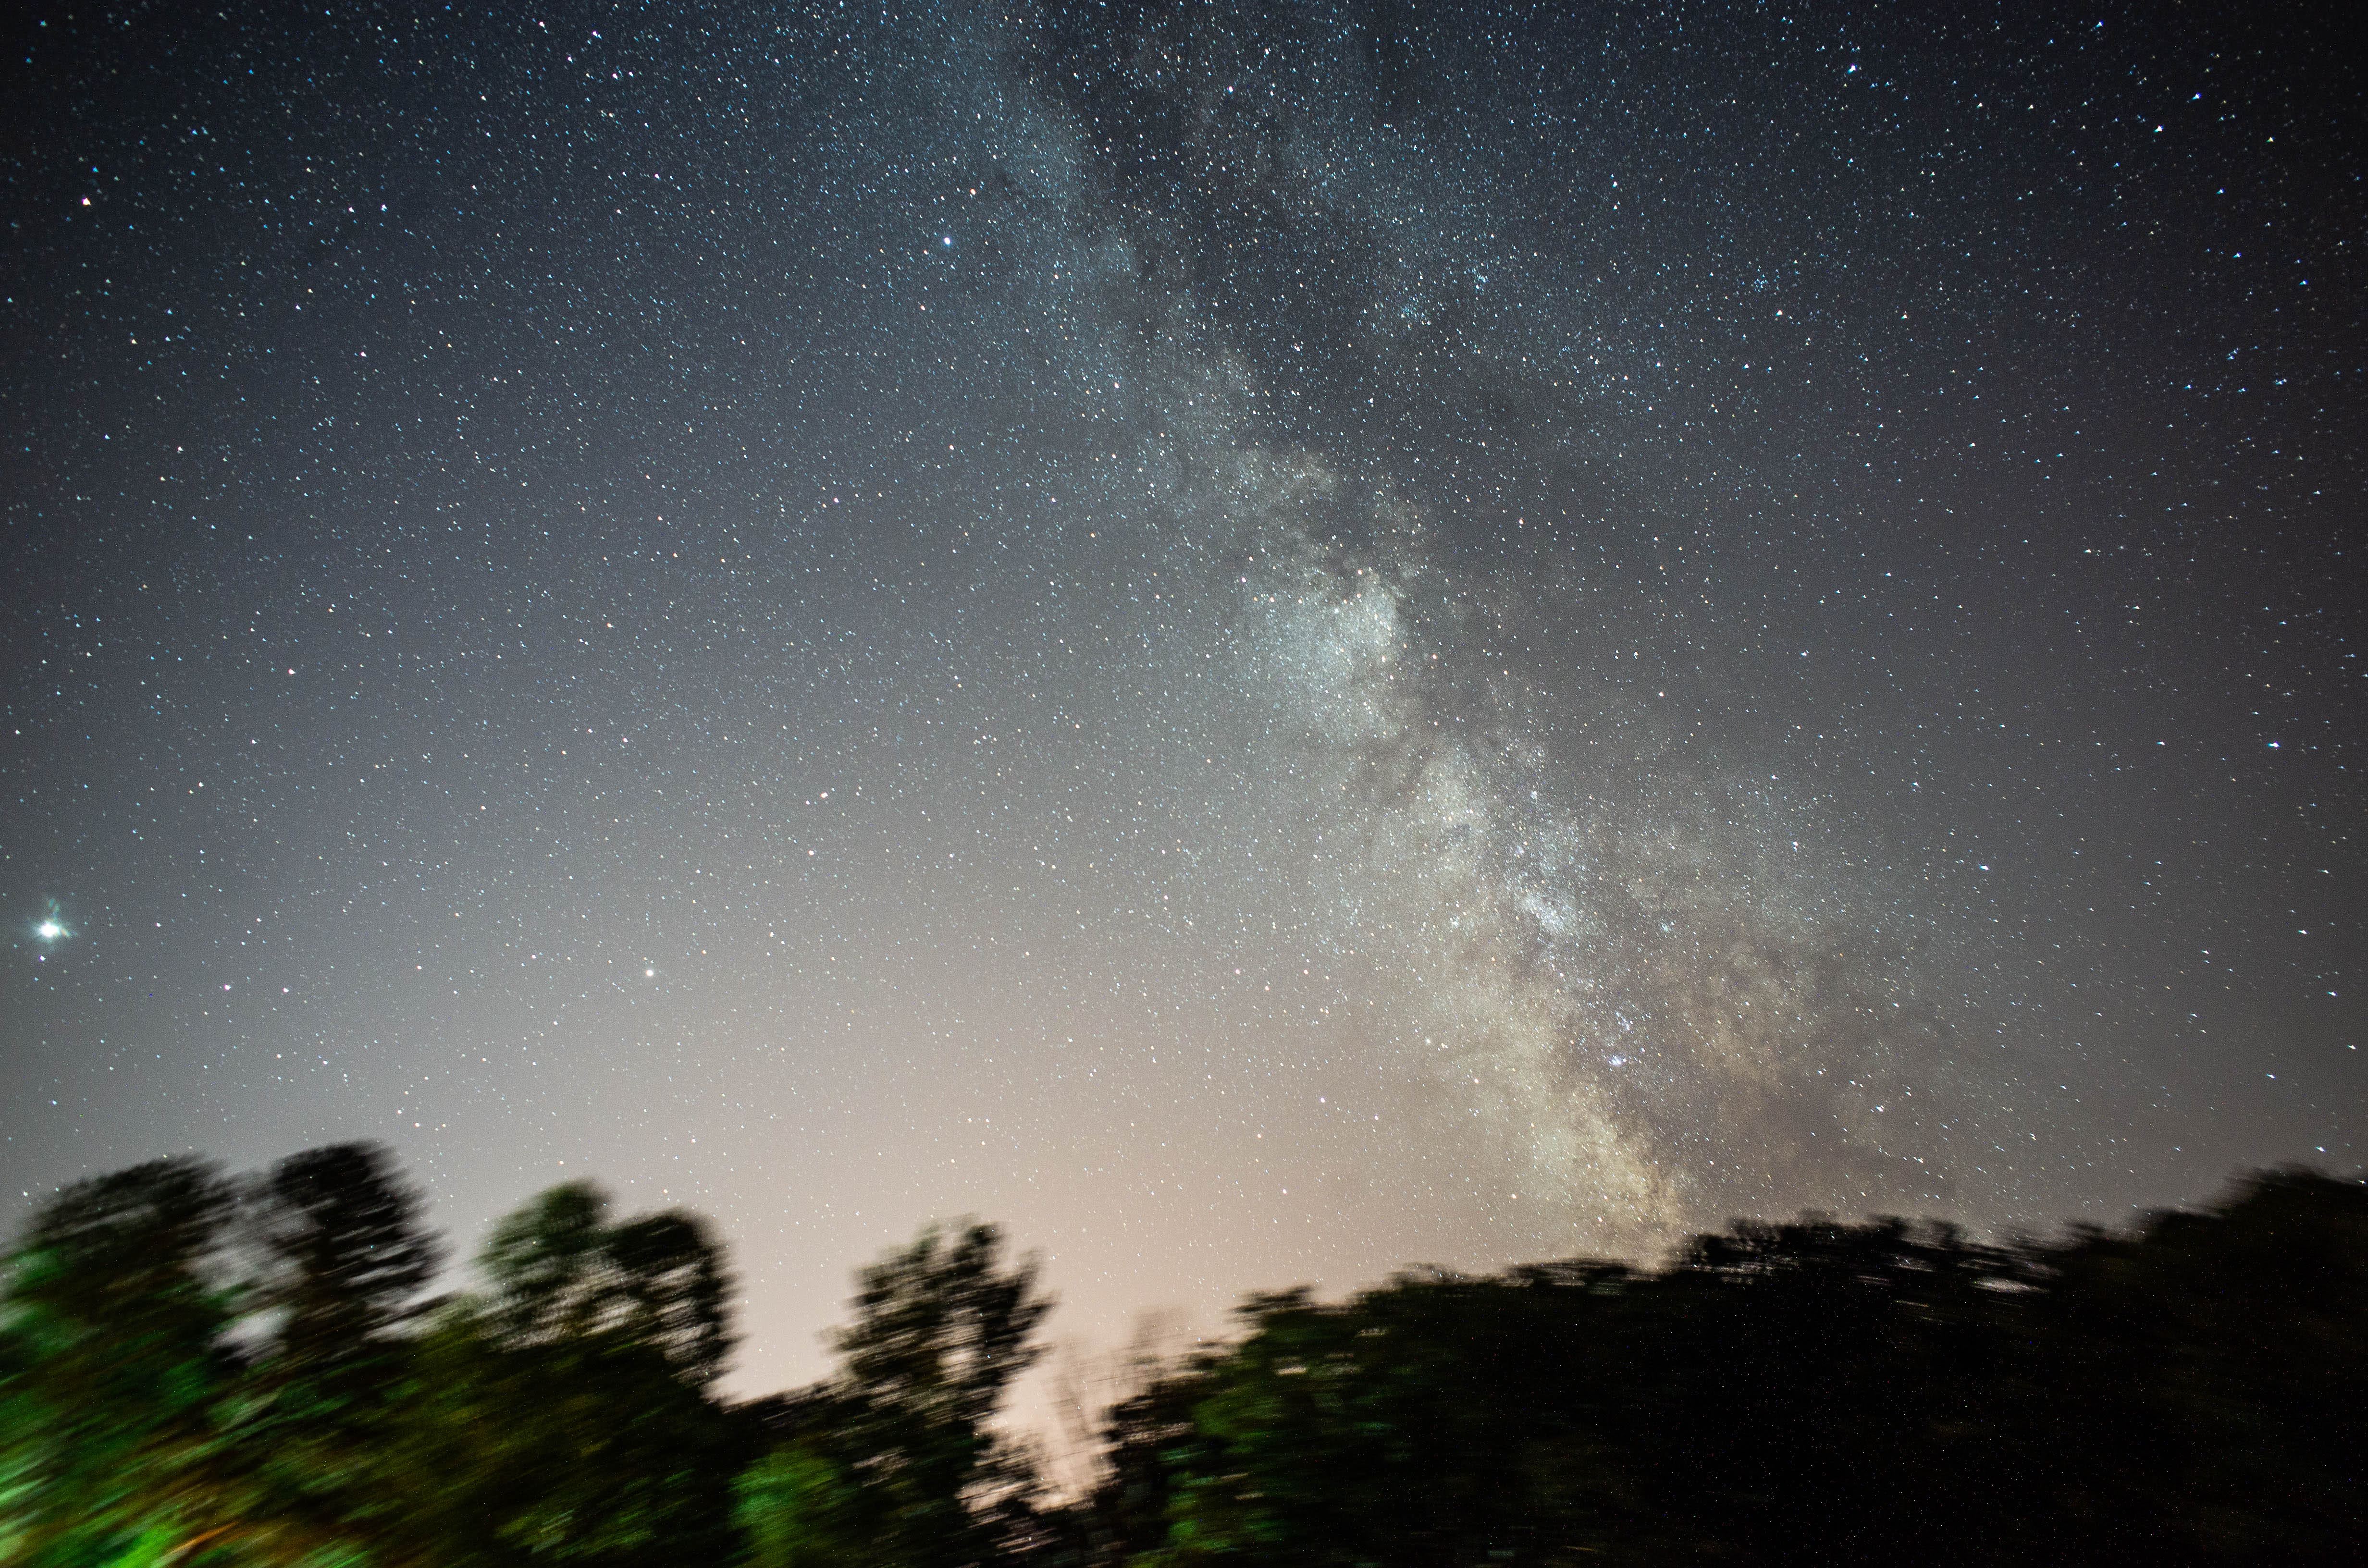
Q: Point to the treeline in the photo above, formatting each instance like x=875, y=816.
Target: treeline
x=212, y=1373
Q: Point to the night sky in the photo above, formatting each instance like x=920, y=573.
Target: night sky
x=1263, y=641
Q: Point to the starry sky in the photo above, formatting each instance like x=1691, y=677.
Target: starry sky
x=1263, y=640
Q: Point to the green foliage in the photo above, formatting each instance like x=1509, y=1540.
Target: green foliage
x=562, y=1414
x=941, y=1328
x=588, y=1449
x=560, y=1274
x=198, y=1375
x=1149, y=1444
x=175, y=1389
x=797, y=1509
x=113, y=1365
x=341, y=1261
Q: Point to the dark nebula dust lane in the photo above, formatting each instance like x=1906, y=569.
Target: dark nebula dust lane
x=1264, y=640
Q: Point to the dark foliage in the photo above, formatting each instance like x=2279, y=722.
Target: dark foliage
x=194, y=1374
x=1814, y=1392
x=340, y=1262
x=897, y=1454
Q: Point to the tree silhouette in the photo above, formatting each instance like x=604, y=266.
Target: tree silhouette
x=897, y=1447
x=179, y=1391
x=342, y=1261
x=563, y=1413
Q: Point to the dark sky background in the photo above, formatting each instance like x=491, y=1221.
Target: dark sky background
x=1262, y=641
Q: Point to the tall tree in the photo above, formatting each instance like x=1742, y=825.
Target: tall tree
x=348, y=1254
x=565, y=1416
x=941, y=1328
x=344, y=1257
x=669, y=1291
x=545, y=1267
x=113, y=1366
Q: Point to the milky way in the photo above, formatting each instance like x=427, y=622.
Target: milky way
x=1265, y=642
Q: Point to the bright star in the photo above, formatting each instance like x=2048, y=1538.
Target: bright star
x=48, y=930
